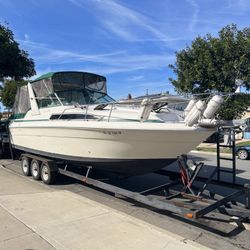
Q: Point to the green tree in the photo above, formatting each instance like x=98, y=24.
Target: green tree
x=14, y=62
x=213, y=64
x=9, y=90
x=15, y=65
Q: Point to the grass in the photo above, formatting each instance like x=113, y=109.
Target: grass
x=222, y=150
x=244, y=143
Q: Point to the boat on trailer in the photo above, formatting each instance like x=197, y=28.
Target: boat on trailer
x=69, y=116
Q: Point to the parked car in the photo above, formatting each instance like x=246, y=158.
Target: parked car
x=243, y=152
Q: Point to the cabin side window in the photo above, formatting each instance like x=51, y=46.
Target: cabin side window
x=72, y=117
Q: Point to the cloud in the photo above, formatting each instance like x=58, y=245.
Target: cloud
x=26, y=37
x=136, y=78
x=194, y=18
x=45, y=54
x=123, y=21
x=105, y=63
x=239, y=7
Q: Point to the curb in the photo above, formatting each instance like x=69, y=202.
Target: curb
x=208, y=153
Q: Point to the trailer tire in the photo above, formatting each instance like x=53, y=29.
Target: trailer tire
x=25, y=165
x=35, y=169
x=47, y=175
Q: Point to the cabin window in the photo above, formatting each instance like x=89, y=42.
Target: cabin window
x=73, y=116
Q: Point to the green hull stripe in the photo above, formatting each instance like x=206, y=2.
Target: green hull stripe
x=39, y=120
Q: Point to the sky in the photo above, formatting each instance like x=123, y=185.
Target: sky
x=131, y=42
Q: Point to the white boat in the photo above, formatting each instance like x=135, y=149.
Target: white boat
x=69, y=116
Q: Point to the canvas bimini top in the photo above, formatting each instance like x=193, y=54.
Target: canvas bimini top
x=59, y=81
x=70, y=86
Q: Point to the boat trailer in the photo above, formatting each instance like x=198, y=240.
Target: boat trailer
x=182, y=202
x=180, y=197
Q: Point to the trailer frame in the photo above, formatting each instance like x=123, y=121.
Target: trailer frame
x=181, y=203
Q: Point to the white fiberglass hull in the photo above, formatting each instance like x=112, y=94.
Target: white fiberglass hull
x=123, y=147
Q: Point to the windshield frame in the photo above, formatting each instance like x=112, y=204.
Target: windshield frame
x=103, y=98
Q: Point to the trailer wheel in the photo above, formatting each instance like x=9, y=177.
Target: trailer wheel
x=35, y=169
x=47, y=175
x=25, y=165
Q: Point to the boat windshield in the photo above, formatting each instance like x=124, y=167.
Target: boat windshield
x=76, y=96
x=83, y=96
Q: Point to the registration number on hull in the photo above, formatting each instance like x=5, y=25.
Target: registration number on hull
x=112, y=132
